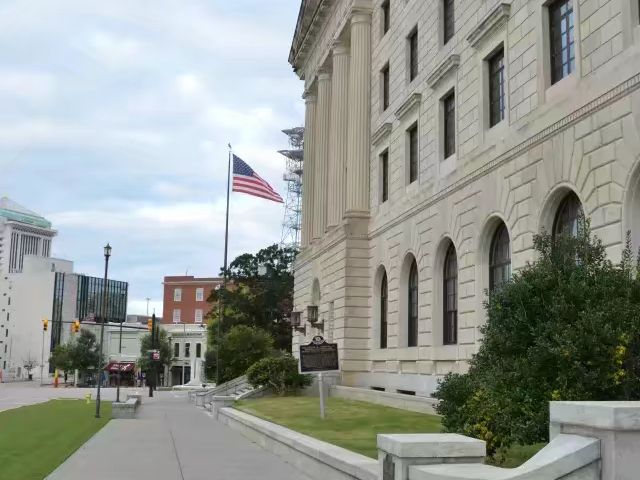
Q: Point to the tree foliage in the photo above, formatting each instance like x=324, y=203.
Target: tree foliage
x=80, y=354
x=162, y=344
x=280, y=373
x=240, y=348
x=262, y=301
x=565, y=328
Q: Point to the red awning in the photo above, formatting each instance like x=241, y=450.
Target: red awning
x=122, y=366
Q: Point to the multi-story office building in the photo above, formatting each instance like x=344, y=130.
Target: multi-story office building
x=185, y=299
x=440, y=137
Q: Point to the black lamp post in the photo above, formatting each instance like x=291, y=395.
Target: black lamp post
x=119, y=363
x=107, y=254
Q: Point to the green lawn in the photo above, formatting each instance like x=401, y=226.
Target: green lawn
x=354, y=425
x=35, y=439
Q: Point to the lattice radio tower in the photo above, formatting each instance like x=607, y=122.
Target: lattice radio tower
x=293, y=176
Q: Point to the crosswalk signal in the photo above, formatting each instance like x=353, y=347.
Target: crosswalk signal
x=150, y=324
x=45, y=324
x=75, y=326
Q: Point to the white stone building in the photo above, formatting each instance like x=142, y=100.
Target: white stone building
x=441, y=136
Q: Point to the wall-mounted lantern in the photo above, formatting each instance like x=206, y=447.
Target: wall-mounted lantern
x=296, y=322
x=313, y=317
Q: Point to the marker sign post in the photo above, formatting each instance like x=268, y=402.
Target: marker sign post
x=319, y=357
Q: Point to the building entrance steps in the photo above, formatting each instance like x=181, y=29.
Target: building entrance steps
x=171, y=440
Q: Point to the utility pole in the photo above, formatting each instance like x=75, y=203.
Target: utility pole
x=148, y=299
x=153, y=346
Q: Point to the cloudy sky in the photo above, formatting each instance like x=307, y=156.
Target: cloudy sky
x=115, y=121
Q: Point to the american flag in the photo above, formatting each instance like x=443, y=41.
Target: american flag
x=245, y=180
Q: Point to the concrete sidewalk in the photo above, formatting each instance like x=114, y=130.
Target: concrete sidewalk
x=172, y=440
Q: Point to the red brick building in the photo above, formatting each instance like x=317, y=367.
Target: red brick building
x=185, y=299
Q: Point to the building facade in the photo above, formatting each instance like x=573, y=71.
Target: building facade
x=440, y=137
x=185, y=299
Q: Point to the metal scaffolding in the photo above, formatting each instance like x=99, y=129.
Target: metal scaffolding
x=292, y=222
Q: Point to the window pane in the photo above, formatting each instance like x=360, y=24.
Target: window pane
x=385, y=87
x=450, y=301
x=449, y=105
x=413, y=153
x=413, y=55
x=500, y=258
x=384, y=165
x=383, y=312
x=386, y=14
x=449, y=25
x=412, y=323
x=569, y=216
x=496, y=88
x=562, y=41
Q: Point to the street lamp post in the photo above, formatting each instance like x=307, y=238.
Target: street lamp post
x=119, y=363
x=184, y=348
x=107, y=254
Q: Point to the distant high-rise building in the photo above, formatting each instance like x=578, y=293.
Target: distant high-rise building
x=22, y=232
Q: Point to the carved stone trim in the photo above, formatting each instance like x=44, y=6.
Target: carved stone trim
x=449, y=64
x=381, y=133
x=491, y=22
x=412, y=101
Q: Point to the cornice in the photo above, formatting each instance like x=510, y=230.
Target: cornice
x=412, y=101
x=492, y=21
x=449, y=64
x=381, y=133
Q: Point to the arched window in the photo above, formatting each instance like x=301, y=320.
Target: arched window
x=384, y=302
x=450, y=288
x=569, y=216
x=499, y=258
x=412, y=320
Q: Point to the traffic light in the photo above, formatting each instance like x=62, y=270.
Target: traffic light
x=76, y=326
x=45, y=324
x=150, y=324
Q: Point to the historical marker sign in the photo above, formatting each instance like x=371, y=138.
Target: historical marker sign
x=319, y=356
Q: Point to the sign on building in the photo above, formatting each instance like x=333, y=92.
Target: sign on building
x=319, y=356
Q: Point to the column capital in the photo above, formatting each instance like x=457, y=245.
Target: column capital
x=340, y=48
x=309, y=96
x=360, y=14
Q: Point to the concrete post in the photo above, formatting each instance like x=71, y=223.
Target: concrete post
x=397, y=452
x=220, y=401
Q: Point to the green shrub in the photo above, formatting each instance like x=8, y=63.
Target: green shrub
x=565, y=328
x=278, y=373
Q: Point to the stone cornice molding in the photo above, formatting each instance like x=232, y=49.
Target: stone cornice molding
x=21, y=227
x=381, y=133
x=630, y=85
x=497, y=17
x=339, y=48
x=412, y=101
x=309, y=97
x=449, y=64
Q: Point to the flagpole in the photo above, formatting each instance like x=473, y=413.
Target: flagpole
x=224, y=271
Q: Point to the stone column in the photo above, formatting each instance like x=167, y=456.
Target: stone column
x=359, y=115
x=322, y=154
x=338, y=133
x=307, y=175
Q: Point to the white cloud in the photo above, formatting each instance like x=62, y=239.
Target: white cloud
x=112, y=50
x=32, y=86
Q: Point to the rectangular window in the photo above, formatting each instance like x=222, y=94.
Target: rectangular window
x=448, y=20
x=561, y=39
x=413, y=152
x=177, y=295
x=187, y=350
x=384, y=74
x=198, y=350
x=176, y=349
x=176, y=315
x=384, y=167
x=199, y=294
x=449, y=108
x=413, y=54
x=198, y=316
x=385, y=12
x=496, y=88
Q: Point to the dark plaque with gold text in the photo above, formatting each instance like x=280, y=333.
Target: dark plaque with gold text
x=319, y=356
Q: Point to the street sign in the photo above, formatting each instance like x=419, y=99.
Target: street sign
x=319, y=356
x=155, y=355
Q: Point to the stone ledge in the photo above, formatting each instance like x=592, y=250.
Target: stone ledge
x=440, y=445
x=599, y=415
x=412, y=403
x=318, y=459
x=497, y=17
x=381, y=133
x=449, y=64
x=412, y=101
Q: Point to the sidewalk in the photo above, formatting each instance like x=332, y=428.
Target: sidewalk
x=171, y=439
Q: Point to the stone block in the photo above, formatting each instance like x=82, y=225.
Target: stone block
x=136, y=396
x=397, y=452
x=124, y=410
x=221, y=401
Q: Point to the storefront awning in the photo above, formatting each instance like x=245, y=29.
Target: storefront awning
x=124, y=367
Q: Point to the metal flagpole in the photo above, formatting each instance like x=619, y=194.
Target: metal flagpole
x=224, y=271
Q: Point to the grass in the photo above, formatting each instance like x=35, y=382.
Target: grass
x=35, y=439
x=354, y=425
x=351, y=425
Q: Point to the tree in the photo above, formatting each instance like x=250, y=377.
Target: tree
x=263, y=301
x=84, y=352
x=280, y=373
x=241, y=347
x=29, y=363
x=61, y=358
x=565, y=328
x=162, y=344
